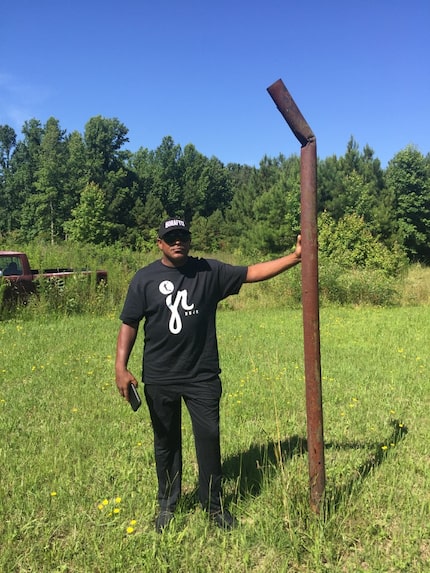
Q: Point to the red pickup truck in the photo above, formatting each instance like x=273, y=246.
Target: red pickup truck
x=21, y=280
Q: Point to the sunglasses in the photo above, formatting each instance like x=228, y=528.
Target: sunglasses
x=172, y=237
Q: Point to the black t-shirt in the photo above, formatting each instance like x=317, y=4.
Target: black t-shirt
x=179, y=306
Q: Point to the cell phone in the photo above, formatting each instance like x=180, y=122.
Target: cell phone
x=133, y=397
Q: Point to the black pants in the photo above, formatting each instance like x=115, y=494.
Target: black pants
x=202, y=400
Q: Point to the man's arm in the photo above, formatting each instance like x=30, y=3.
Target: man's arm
x=269, y=269
x=126, y=339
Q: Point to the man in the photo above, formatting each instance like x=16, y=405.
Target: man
x=178, y=297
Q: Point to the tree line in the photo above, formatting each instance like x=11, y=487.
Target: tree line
x=87, y=187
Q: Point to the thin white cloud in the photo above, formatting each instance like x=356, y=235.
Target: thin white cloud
x=19, y=101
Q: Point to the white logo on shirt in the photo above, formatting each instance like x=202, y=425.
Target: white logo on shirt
x=175, y=322
x=166, y=287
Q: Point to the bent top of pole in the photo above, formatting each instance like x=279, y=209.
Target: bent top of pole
x=291, y=113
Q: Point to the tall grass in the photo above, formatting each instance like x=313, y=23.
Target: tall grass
x=337, y=285
x=77, y=490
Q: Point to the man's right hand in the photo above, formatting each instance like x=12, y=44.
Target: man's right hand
x=123, y=379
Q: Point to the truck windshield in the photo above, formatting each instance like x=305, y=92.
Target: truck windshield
x=10, y=266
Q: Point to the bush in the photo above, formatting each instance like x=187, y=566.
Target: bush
x=350, y=244
x=357, y=286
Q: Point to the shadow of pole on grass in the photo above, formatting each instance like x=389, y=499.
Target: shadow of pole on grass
x=379, y=453
x=250, y=469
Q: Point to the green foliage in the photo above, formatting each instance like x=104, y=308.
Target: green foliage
x=353, y=183
x=7, y=143
x=75, y=295
x=339, y=284
x=351, y=245
x=48, y=179
x=208, y=233
x=408, y=178
x=146, y=216
x=89, y=223
x=265, y=212
x=357, y=287
x=104, y=138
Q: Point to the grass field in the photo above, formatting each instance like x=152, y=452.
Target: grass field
x=77, y=488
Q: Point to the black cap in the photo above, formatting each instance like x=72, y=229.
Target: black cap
x=172, y=225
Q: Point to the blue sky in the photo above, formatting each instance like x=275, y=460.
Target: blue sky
x=199, y=71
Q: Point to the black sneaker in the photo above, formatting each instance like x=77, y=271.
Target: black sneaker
x=163, y=519
x=224, y=520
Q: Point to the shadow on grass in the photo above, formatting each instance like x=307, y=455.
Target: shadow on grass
x=251, y=468
x=378, y=454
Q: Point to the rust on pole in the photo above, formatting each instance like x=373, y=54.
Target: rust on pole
x=310, y=296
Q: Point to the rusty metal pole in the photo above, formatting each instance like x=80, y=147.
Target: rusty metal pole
x=310, y=297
